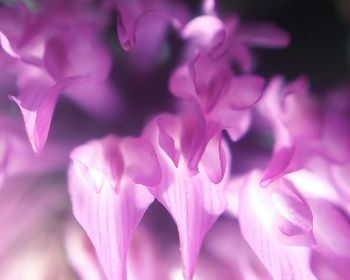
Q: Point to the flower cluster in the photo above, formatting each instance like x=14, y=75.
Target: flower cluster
x=278, y=207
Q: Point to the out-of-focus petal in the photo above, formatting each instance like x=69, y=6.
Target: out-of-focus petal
x=31, y=219
x=340, y=175
x=227, y=246
x=284, y=146
x=293, y=215
x=236, y=123
x=6, y=46
x=280, y=161
x=205, y=31
x=208, y=6
x=180, y=83
x=256, y=218
x=130, y=15
x=81, y=254
x=245, y=91
x=55, y=58
x=264, y=35
x=37, y=102
x=332, y=230
x=4, y=158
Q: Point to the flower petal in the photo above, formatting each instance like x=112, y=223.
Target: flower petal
x=81, y=254
x=205, y=31
x=195, y=203
x=256, y=220
x=37, y=102
x=6, y=46
x=193, y=200
x=130, y=16
x=180, y=83
x=145, y=172
x=293, y=215
x=332, y=230
x=108, y=216
x=245, y=91
x=99, y=162
x=214, y=153
x=264, y=35
x=55, y=58
x=280, y=161
x=166, y=142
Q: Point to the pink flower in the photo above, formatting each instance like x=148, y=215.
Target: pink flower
x=180, y=161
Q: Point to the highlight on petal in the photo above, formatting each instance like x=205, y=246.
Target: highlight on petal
x=256, y=218
x=6, y=46
x=293, y=215
x=99, y=163
x=109, y=216
x=205, y=31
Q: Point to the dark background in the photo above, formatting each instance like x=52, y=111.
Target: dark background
x=320, y=46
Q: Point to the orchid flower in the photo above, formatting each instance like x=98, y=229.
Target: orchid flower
x=153, y=149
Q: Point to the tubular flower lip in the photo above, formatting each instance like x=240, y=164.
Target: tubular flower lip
x=107, y=199
x=196, y=200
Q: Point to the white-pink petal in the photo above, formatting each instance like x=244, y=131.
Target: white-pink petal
x=110, y=215
x=205, y=31
x=193, y=200
x=256, y=218
x=195, y=204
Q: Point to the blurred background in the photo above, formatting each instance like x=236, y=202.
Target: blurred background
x=320, y=32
